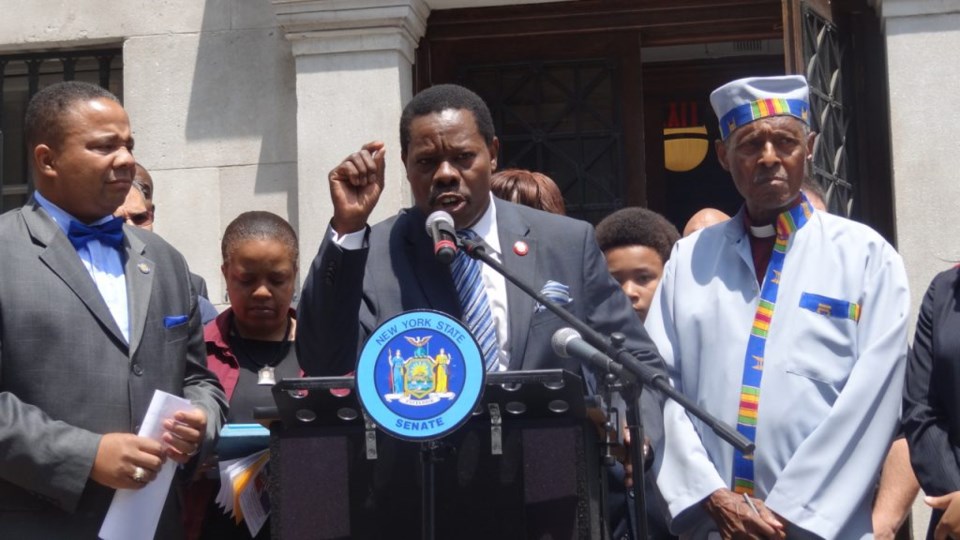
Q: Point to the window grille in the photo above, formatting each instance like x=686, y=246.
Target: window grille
x=825, y=53
x=21, y=76
x=563, y=119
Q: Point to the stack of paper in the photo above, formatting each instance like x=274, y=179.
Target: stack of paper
x=244, y=485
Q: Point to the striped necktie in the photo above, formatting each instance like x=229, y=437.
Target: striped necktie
x=473, y=300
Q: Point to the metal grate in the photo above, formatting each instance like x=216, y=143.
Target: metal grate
x=21, y=76
x=824, y=54
x=561, y=119
x=754, y=45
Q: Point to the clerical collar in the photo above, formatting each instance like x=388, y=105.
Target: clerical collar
x=769, y=230
x=763, y=231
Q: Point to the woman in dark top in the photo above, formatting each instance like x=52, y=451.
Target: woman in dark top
x=250, y=345
x=931, y=403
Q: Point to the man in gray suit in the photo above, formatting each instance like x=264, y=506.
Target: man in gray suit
x=94, y=317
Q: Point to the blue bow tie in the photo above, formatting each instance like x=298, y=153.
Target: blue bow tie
x=109, y=233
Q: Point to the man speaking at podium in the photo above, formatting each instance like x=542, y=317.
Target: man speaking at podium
x=364, y=275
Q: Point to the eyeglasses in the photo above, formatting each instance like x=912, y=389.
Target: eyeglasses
x=141, y=219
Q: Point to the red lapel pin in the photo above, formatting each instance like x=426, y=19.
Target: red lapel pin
x=521, y=248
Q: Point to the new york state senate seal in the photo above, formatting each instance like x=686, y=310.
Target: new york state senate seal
x=420, y=375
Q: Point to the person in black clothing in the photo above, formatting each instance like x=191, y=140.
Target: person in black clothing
x=249, y=346
x=931, y=403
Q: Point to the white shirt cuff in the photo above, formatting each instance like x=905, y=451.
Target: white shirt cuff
x=350, y=241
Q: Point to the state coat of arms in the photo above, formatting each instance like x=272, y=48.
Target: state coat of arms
x=420, y=375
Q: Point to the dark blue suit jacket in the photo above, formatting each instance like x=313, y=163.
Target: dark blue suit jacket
x=398, y=272
x=347, y=293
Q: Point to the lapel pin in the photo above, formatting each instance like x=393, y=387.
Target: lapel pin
x=144, y=268
x=521, y=248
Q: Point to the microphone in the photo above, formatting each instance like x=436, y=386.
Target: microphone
x=568, y=343
x=441, y=230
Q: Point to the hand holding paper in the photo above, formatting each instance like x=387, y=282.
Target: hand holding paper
x=184, y=434
x=118, y=457
x=133, y=515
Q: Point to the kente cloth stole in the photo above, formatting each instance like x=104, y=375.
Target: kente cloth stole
x=788, y=223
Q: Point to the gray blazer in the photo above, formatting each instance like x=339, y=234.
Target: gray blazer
x=67, y=375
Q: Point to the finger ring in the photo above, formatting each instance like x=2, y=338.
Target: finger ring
x=196, y=448
x=139, y=475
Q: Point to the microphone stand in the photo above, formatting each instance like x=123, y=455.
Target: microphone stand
x=631, y=396
x=623, y=364
x=634, y=425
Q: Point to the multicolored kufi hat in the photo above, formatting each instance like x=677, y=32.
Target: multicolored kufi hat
x=740, y=102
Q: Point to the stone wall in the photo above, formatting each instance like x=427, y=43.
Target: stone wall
x=210, y=89
x=923, y=38
x=247, y=104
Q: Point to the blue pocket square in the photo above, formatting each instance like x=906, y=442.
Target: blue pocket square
x=171, y=321
x=556, y=292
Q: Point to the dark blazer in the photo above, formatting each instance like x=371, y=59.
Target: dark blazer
x=348, y=293
x=931, y=400
x=398, y=272
x=199, y=285
x=67, y=375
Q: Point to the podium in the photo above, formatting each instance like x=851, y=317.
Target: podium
x=526, y=465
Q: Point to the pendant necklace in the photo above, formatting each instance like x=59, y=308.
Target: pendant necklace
x=266, y=375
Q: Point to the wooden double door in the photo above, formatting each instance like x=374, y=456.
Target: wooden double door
x=572, y=96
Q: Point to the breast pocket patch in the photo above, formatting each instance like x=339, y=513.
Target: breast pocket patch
x=830, y=307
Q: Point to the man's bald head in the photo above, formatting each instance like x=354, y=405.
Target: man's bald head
x=703, y=219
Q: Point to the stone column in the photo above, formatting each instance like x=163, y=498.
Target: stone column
x=354, y=63
x=922, y=38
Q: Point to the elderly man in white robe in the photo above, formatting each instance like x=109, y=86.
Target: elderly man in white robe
x=789, y=323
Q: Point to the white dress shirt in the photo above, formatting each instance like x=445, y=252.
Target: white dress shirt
x=494, y=283
x=104, y=263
